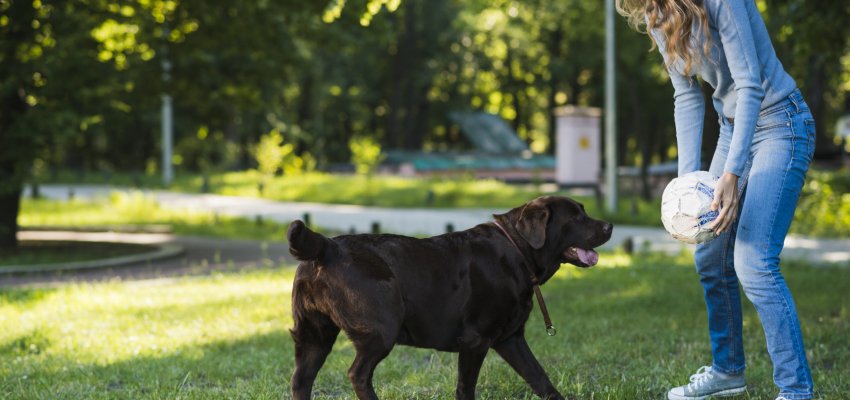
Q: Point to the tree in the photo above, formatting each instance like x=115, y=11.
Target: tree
x=27, y=35
x=811, y=40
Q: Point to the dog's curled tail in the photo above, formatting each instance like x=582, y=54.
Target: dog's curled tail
x=306, y=245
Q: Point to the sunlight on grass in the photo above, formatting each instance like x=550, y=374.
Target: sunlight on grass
x=63, y=336
x=138, y=209
x=627, y=329
x=103, y=324
x=463, y=191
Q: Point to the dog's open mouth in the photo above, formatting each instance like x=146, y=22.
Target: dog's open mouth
x=581, y=257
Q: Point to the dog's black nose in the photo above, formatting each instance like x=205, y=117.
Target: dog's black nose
x=607, y=228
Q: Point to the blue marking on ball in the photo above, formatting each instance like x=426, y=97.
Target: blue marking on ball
x=708, y=217
x=705, y=189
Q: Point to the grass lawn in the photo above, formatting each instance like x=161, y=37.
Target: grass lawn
x=137, y=209
x=628, y=329
x=383, y=191
x=391, y=191
x=51, y=252
x=823, y=211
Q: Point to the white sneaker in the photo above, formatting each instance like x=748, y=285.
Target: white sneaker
x=706, y=383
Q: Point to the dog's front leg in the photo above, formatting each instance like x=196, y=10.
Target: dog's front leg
x=469, y=365
x=516, y=352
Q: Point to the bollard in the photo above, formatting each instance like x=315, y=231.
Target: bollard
x=450, y=227
x=429, y=198
x=352, y=231
x=259, y=220
x=70, y=194
x=205, y=184
x=376, y=227
x=306, y=219
x=629, y=245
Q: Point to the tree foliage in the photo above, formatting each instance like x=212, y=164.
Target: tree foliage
x=81, y=80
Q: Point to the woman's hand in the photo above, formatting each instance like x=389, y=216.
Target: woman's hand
x=725, y=199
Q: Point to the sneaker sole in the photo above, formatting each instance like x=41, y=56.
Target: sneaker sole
x=722, y=393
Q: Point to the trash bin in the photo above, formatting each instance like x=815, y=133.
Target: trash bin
x=577, y=145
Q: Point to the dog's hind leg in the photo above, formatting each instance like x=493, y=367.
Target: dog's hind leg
x=371, y=349
x=314, y=337
x=469, y=366
x=516, y=352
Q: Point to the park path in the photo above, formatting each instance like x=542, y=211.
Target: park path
x=200, y=256
x=204, y=254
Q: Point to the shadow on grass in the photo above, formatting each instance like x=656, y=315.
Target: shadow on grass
x=23, y=296
x=255, y=367
x=624, y=333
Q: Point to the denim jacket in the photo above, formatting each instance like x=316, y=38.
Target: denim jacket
x=746, y=76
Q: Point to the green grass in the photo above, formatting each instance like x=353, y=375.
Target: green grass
x=823, y=211
x=137, y=209
x=391, y=191
x=628, y=329
x=384, y=191
x=51, y=252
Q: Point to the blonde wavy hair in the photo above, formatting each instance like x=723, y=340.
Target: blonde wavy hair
x=675, y=20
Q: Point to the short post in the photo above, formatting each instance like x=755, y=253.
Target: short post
x=259, y=220
x=70, y=194
x=629, y=245
x=450, y=227
x=306, y=219
x=376, y=227
x=205, y=183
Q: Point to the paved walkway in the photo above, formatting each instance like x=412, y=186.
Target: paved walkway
x=200, y=256
x=418, y=221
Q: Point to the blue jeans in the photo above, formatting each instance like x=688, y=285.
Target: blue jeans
x=748, y=253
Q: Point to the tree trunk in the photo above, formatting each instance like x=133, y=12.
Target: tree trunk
x=555, y=53
x=815, y=98
x=405, y=58
x=10, y=205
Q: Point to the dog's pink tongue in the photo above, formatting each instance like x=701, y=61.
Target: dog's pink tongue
x=588, y=257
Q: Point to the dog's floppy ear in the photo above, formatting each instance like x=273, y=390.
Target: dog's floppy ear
x=531, y=224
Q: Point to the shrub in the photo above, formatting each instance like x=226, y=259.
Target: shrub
x=824, y=208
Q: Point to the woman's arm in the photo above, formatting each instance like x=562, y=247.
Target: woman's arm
x=733, y=25
x=689, y=114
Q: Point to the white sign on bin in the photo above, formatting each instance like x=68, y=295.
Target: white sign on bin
x=578, y=143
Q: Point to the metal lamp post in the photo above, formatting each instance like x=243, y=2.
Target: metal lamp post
x=610, y=111
x=167, y=118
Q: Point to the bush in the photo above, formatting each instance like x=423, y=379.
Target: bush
x=365, y=154
x=824, y=208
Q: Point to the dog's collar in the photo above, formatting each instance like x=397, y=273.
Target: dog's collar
x=498, y=225
x=550, y=329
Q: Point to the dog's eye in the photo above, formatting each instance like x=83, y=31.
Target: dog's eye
x=580, y=209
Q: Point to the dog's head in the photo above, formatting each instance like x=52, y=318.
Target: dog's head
x=559, y=229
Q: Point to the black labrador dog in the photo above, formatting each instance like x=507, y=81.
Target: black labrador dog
x=464, y=292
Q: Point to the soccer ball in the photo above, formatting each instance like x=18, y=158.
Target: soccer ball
x=686, y=207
